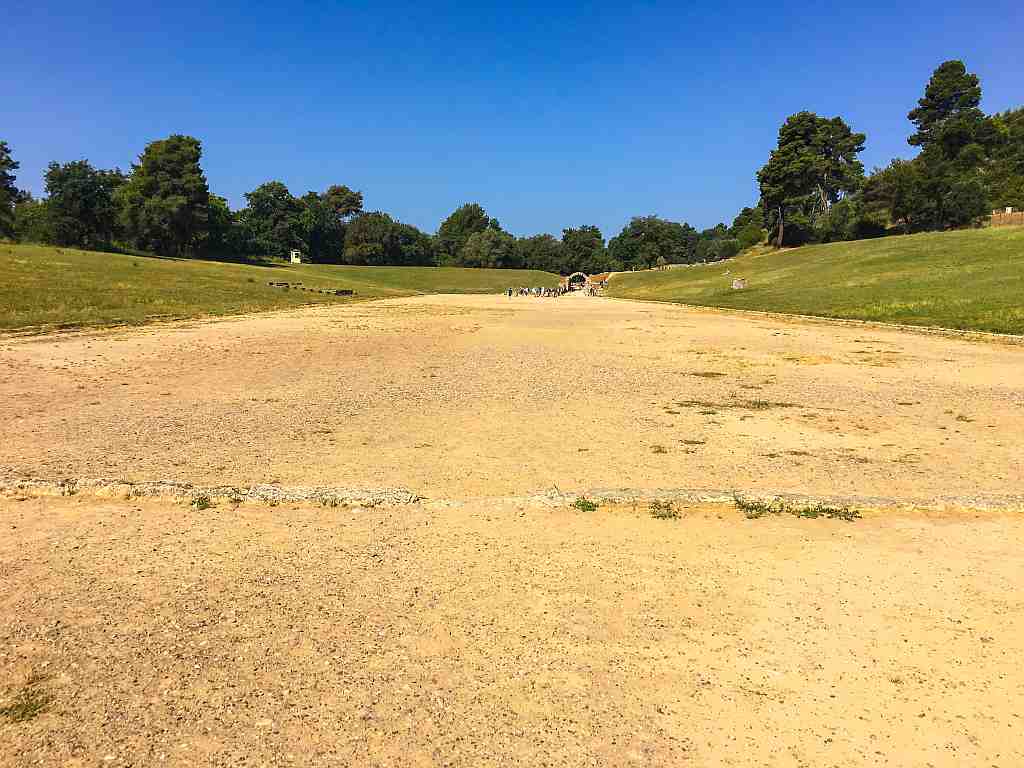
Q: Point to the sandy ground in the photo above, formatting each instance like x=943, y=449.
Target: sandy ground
x=486, y=396
x=470, y=629
x=501, y=634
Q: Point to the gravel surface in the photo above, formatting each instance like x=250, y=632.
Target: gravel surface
x=409, y=584
x=504, y=634
x=484, y=396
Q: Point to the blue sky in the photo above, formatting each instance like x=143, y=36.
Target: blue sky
x=548, y=114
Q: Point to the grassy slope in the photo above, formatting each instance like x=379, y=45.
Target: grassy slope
x=970, y=279
x=43, y=286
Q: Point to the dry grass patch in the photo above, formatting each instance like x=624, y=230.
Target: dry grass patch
x=30, y=701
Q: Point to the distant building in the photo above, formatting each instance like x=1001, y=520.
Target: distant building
x=296, y=256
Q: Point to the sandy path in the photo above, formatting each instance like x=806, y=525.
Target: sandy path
x=469, y=630
x=493, y=634
x=485, y=396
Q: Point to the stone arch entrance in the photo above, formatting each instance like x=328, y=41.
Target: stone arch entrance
x=576, y=280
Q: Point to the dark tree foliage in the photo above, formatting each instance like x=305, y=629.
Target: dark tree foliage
x=715, y=247
x=947, y=117
x=745, y=218
x=955, y=137
x=32, y=220
x=966, y=165
x=227, y=236
x=456, y=230
x=323, y=219
x=847, y=220
x=898, y=190
x=584, y=251
x=375, y=239
x=745, y=232
x=82, y=204
x=165, y=202
x=646, y=239
x=490, y=248
x=271, y=217
x=750, y=236
x=276, y=221
x=320, y=229
x=1005, y=173
x=814, y=165
x=542, y=252
x=8, y=192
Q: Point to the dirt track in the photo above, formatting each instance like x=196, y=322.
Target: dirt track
x=486, y=396
x=471, y=630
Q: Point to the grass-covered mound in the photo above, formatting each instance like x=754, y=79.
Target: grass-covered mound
x=49, y=287
x=972, y=280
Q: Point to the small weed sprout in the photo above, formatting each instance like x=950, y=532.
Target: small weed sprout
x=201, y=501
x=30, y=701
x=664, y=510
x=583, y=504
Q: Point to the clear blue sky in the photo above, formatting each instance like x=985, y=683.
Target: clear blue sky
x=548, y=114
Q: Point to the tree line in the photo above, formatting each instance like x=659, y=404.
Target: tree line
x=812, y=189
x=164, y=205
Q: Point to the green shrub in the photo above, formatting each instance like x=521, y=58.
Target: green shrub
x=756, y=508
x=583, y=504
x=750, y=236
x=201, y=501
x=664, y=510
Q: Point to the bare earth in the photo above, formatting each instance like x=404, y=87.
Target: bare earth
x=484, y=626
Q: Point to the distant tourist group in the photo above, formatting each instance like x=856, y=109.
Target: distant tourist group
x=538, y=291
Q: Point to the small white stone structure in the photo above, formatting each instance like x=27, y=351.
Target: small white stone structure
x=296, y=256
x=739, y=283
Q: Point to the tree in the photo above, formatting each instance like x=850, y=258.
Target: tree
x=320, y=230
x=750, y=235
x=744, y=218
x=899, y=191
x=837, y=171
x=947, y=117
x=32, y=220
x=541, y=252
x=490, y=248
x=813, y=166
x=165, y=202
x=1005, y=175
x=82, y=203
x=272, y=218
x=456, y=230
x=343, y=202
x=8, y=192
x=966, y=202
x=376, y=239
x=953, y=173
x=647, y=238
x=322, y=219
x=585, y=252
x=227, y=235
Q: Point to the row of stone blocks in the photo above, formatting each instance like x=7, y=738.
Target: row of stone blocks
x=301, y=287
